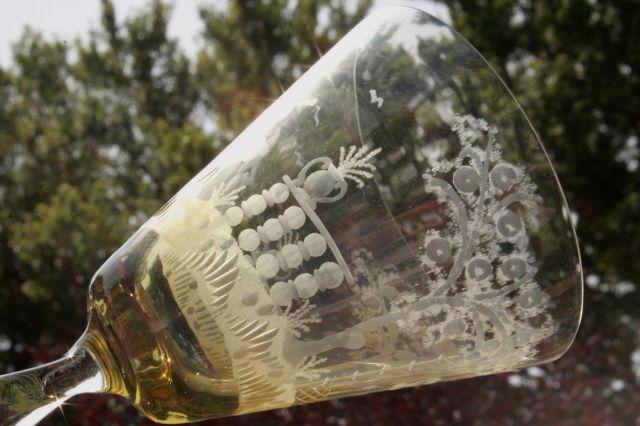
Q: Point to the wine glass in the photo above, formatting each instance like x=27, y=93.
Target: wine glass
x=391, y=220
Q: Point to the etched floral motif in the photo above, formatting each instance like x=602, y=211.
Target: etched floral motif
x=479, y=259
x=356, y=165
x=482, y=292
x=299, y=320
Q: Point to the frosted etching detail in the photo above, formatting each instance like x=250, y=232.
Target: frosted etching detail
x=375, y=99
x=479, y=260
x=262, y=259
x=231, y=289
x=356, y=164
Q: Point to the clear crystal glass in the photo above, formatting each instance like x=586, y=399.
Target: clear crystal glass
x=391, y=220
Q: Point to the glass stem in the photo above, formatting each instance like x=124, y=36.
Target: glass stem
x=28, y=396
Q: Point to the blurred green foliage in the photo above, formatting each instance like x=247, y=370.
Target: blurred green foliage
x=95, y=135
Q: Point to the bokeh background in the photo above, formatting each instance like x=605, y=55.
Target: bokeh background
x=102, y=122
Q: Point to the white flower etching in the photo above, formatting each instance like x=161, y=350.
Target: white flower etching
x=225, y=195
x=356, y=164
